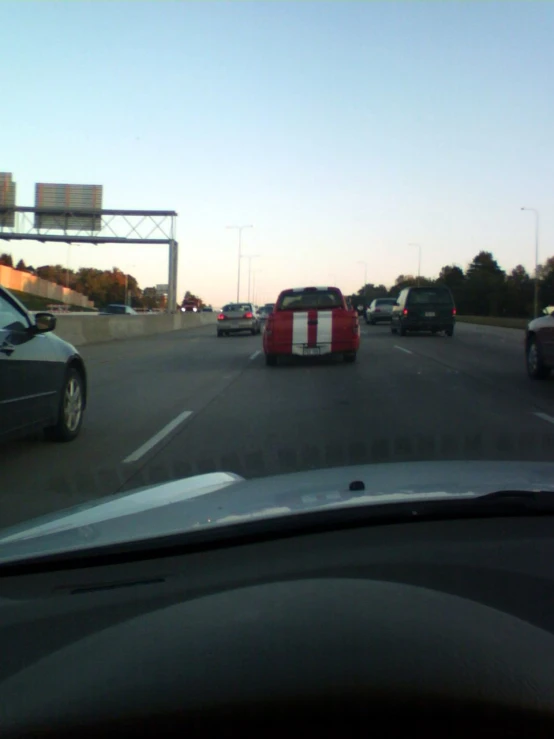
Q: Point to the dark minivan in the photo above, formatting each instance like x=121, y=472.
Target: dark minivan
x=424, y=309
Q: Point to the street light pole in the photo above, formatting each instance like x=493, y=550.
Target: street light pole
x=536, y=292
x=240, y=230
x=254, y=273
x=418, y=261
x=250, y=257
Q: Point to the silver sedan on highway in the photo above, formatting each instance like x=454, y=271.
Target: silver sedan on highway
x=236, y=318
x=380, y=310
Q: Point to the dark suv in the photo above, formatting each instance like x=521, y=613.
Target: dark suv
x=424, y=309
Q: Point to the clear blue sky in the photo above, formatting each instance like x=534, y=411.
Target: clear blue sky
x=342, y=131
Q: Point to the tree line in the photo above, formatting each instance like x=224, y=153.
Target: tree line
x=100, y=286
x=482, y=289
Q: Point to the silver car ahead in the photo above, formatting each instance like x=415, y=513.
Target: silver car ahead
x=380, y=310
x=236, y=317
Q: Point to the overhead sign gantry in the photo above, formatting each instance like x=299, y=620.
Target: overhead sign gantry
x=74, y=214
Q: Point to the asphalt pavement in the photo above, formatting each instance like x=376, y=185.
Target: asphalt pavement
x=186, y=402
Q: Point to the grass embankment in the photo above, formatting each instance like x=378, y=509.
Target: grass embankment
x=492, y=321
x=36, y=302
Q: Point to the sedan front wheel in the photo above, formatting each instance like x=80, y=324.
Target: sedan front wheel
x=71, y=408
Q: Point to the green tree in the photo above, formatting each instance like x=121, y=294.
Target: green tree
x=452, y=276
x=546, y=283
x=367, y=294
x=484, y=282
x=517, y=294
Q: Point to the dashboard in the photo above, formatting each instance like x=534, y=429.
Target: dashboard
x=440, y=626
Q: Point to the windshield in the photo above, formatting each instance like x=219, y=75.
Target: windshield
x=272, y=239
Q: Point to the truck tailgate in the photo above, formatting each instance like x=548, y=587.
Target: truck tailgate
x=314, y=331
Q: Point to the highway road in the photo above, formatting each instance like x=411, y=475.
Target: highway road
x=186, y=402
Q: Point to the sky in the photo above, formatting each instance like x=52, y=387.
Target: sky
x=342, y=132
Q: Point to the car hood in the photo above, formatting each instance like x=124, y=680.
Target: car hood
x=222, y=499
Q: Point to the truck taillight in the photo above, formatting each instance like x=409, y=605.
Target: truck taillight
x=221, y=317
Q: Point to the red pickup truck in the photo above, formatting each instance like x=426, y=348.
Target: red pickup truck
x=311, y=321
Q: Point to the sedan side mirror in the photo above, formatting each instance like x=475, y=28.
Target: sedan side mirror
x=44, y=322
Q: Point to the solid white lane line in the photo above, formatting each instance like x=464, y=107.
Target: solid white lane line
x=401, y=348
x=545, y=417
x=142, y=450
x=256, y=354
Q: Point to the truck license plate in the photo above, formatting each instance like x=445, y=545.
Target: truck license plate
x=311, y=351
x=430, y=314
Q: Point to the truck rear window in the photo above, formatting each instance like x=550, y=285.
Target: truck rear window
x=311, y=299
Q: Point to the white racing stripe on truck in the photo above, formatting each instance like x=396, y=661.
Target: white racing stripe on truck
x=325, y=331
x=300, y=328
x=324, y=327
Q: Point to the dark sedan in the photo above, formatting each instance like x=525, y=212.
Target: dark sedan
x=42, y=378
x=539, y=346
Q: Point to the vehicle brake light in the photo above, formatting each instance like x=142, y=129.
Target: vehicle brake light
x=248, y=314
x=221, y=317
x=405, y=311
x=453, y=311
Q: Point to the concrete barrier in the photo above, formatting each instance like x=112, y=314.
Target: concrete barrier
x=81, y=330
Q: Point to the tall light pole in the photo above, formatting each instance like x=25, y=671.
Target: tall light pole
x=250, y=257
x=254, y=273
x=536, y=295
x=418, y=261
x=365, y=280
x=240, y=229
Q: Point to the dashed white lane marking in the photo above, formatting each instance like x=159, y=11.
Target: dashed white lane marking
x=401, y=348
x=253, y=356
x=544, y=416
x=142, y=450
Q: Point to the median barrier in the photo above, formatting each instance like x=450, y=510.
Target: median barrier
x=81, y=330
